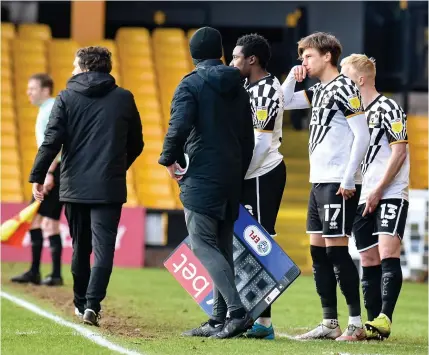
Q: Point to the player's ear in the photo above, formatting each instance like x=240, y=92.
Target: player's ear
x=252, y=60
x=327, y=57
x=361, y=80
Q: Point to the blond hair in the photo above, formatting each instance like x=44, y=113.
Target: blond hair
x=361, y=63
x=323, y=42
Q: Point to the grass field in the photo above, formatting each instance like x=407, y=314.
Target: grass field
x=146, y=310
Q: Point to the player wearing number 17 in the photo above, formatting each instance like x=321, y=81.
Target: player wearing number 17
x=383, y=206
x=339, y=138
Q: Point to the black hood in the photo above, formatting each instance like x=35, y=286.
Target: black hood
x=220, y=77
x=92, y=83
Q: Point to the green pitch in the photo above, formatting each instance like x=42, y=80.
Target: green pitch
x=146, y=310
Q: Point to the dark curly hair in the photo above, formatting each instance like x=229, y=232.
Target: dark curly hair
x=254, y=44
x=95, y=59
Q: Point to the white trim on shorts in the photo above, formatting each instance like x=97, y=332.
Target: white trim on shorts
x=311, y=232
x=367, y=248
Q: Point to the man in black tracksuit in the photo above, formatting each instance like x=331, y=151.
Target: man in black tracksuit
x=211, y=121
x=98, y=127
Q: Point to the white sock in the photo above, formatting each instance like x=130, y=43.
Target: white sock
x=265, y=321
x=356, y=321
x=330, y=323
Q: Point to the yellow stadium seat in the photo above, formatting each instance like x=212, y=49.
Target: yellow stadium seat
x=7, y=112
x=134, y=49
x=8, y=127
x=35, y=31
x=6, y=86
x=132, y=35
x=23, y=73
x=6, y=74
x=152, y=174
x=22, y=46
x=141, y=89
x=153, y=145
x=7, y=30
x=9, y=142
x=135, y=62
x=153, y=131
x=27, y=112
x=30, y=60
x=10, y=168
x=7, y=102
x=12, y=196
x=169, y=35
x=6, y=61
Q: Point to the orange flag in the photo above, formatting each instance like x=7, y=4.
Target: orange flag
x=13, y=230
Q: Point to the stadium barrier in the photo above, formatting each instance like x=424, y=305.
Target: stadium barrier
x=130, y=242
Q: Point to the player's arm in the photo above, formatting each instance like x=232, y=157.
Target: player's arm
x=135, y=143
x=264, y=126
x=349, y=102
x=52, y=143
x=296, y=100
x=395, y=125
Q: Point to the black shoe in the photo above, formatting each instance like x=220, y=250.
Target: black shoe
x=234, y=327
x=204, y=330
x=91, y=317
x=27, y=277
x=53, y=281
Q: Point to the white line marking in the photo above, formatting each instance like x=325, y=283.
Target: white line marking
x=94, y=337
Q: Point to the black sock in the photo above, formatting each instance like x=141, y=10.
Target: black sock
x=36, y=236
x=266, y=313
x=326, y=284
x=56, y=251
x=238, y=313
x=371, y=288
x=391, y=284
x=347, y=276
x=214, y=323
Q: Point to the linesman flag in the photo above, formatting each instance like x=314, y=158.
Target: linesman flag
x=13, y=230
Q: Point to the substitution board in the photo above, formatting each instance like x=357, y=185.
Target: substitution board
x=263, y=271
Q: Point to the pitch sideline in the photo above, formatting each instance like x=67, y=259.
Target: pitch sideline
x=92, y=336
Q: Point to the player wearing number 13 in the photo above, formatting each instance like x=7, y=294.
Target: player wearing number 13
x=338, y=140
x=383, y=206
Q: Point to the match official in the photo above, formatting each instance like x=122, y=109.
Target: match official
x=98, y=126
x=211, y=121
x=47, y=221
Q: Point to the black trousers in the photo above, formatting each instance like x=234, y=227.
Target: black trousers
x=212, y=243
x=93, y=227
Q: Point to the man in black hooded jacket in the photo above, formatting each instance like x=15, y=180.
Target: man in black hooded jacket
x=98, y=127
x=211, y=121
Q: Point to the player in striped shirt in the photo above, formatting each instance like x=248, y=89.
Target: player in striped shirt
x=265, y=179
x=382, y=212
x=338, y=141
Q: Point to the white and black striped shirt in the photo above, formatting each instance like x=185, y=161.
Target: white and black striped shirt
x=387, y=125
x=266, y=99
x=331, y=137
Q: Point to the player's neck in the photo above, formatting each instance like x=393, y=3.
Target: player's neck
x=368, y=94
x=329, y=74
x=257, y=75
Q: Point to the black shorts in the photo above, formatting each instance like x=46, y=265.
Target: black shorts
x=329, y=214
x=51, y=206
x=389, y=218
x=262, y=196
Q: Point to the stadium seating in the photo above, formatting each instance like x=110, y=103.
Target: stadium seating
x=418, y=146
x=138, y=75
x=34, y=31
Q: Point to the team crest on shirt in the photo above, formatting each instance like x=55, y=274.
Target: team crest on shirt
x=327, y=98
x=261, y=113
x=374, y=119
x=397, y=126
x=354, y=102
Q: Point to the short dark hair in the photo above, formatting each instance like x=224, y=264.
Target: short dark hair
x=95, y=59
x=45, y=81
x=254, y=44
x=323, y=43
